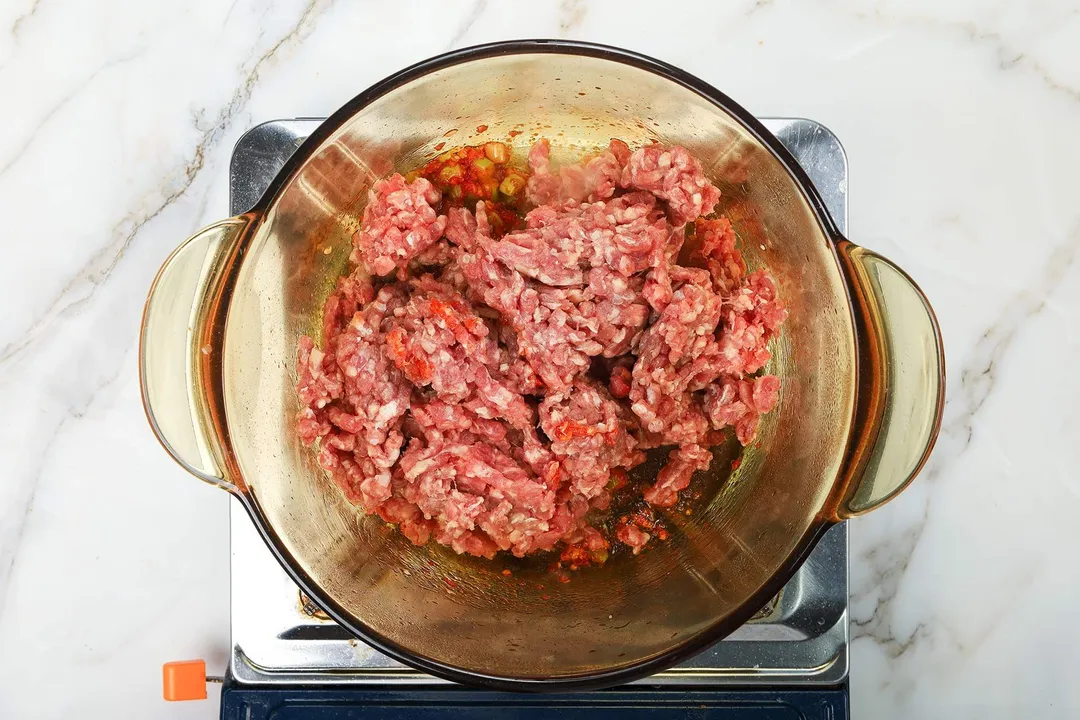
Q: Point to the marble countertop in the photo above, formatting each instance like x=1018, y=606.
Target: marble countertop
x=961, y=121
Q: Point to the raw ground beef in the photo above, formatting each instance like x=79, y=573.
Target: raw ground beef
x=487, y=376
x=633, y=536
x=627, y=235
x=591, y=434
x=357, y=398
x=717, y=252
x=593, y=179
x=675, y=476
x=671, y=353
x=480, y=498
x=399, y=223
x=740, y=402
x=674, y=175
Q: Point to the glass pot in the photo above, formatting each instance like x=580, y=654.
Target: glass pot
x=860, y=359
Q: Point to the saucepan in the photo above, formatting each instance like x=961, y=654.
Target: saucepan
x=860, y=358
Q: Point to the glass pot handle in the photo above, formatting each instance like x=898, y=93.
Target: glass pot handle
x=901, y=391
x=180, y=343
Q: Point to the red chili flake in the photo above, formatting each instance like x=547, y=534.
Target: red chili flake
x=568, y=429
x=450, y=583
x=576, y=556
x=736, y=463
x=444, y=311
x=481, y=128
x=619, y=480
x=514, y=133
x=644, y=518
x=452, y=313
x=417, y=369
x=440, y=146
x=545, y=597
x=564, y=578
x=551, y=474
x=507, y=572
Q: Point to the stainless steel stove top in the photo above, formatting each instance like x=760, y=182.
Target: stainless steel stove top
x=800, y=638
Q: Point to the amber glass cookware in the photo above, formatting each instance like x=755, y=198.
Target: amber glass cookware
x=860, y=358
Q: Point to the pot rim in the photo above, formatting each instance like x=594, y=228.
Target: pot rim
x=705, y=638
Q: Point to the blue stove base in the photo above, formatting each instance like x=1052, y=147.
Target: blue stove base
x=316, y=703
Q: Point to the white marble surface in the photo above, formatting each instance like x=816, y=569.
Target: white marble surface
x=961, y=119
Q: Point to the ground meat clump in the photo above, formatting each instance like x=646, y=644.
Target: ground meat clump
x=549, y=336
x=670, y=355
x=673, y=175
x=358, y=398
x=571, y=282
x=465, y=229
x=675, y=476
x=740, y=403
x=593, y=179
x=638, y=528
x=537, y=337
x=480, y=499
x=399, y=223
x=632, y=535
x=590, y=435
x=752, y=315
x=627, y=235
x=437, y=340
x=717, y=252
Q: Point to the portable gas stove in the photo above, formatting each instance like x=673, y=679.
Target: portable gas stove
x=290, y=661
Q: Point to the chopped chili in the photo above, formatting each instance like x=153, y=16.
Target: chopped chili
x=468, y=174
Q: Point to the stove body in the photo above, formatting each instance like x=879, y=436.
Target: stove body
x=791, y=660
